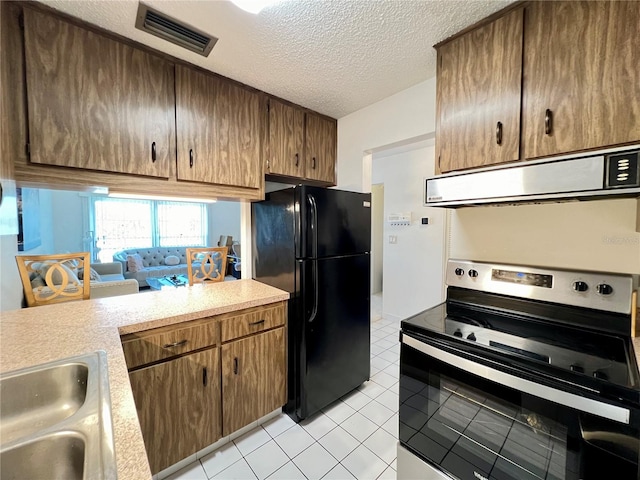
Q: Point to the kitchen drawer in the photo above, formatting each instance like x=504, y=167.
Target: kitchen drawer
x=252, y=322
x=166, y=342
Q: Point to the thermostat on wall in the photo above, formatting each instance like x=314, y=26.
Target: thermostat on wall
x=396, y=219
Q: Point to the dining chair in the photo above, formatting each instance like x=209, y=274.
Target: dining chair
x=48, y=279
x=208, y=264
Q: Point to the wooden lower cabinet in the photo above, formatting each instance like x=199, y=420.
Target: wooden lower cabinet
x=178, y=404
x=253, y=378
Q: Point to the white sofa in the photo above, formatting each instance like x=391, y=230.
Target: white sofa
x=153, y=262
x=112, y=282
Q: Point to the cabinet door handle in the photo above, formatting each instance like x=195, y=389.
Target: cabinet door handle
x=235, y=365
x=204, y=376
x=175, y=344
x=297, y=159
x=191, y=158
x=153, y=152
x=313, y=162
x=499, y=133
x=259, y=322
x=548, y=122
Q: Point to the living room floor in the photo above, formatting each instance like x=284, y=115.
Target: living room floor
x=354, y=437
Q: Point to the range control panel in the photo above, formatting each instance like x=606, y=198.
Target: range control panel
x=610, y=292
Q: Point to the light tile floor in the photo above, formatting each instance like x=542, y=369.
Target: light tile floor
x=354, y=437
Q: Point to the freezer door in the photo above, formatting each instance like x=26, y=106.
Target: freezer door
x=273, y=238
x=333, y=222
x=335, y=351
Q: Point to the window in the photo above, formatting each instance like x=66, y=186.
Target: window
x=127, y=223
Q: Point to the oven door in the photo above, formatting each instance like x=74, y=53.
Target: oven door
x=473, y=420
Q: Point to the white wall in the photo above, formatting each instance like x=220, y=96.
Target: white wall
x=412, y=279
x=224, y=219
x=10, y=285
x=404, y=117
x=596, y=235
x=377, y=235
x=412, y=267
x=68, y=225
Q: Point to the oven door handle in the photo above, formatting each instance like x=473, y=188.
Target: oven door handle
x=587, y=405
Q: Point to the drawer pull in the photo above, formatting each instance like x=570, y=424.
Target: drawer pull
x=297, y=159
x=548, y=122
x=153, y=152
x=176, y=344
x=499, y=133
x=235, y=365
x=204, y=376
x=259, y=322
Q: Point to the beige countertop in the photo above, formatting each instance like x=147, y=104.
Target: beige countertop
x=37, y=335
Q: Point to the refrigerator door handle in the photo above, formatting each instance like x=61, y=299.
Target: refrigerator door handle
x=314, y=224
x=314, y=311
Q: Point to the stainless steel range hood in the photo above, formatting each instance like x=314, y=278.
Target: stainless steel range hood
x=610, y=173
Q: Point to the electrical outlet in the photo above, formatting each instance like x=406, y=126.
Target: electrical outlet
x=393, y=239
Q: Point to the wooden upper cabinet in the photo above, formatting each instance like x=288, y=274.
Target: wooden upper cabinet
x=196, y=138
x=286, y=140
x=219, y=129
x=321, y=149
x=478, y=95
x=582, y=72
x=96, y=103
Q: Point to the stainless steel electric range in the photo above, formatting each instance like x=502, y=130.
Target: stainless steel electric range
x=523, y=373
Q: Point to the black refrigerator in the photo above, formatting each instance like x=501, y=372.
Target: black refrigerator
x=315, y=243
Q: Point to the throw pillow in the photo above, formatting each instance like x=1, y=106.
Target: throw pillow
x=172, y=260
x=56, y=276
x=93, y=275
x=37, y=281
x=134, y=263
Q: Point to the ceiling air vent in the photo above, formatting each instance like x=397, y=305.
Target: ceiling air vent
x=158, y=24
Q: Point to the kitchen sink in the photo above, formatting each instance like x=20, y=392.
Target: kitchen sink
x=41, y=398
x=55, y=456
x=55, y=420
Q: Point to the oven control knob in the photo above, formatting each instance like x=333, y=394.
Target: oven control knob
x=604, y=289
x=576, y=368
x=471, y=337
x=580, y=286
x=457, y=333
x=473, y=273
x=459, y=272
x=600, y=375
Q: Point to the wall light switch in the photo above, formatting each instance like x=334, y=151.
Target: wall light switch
x=393, y=239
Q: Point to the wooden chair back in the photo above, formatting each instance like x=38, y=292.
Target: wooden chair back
x=48, y=279
x=208, y=264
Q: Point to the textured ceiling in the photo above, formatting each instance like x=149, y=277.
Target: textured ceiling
x=333, y=56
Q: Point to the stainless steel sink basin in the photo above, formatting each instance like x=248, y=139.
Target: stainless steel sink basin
x=41, y=398
x=55, y=421
x=62, y=456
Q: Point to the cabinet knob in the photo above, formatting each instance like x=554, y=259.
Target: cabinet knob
x=548, y=122
x=191, y=158
x=204, y=376
x=313, y=162
x=499, y=133
x=297, y=159
x=153, y=152
x=580, y=286
x=235, y=366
